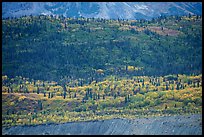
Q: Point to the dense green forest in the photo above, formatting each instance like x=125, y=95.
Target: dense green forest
x=62, y=49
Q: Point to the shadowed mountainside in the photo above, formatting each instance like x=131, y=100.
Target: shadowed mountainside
x=106, y=10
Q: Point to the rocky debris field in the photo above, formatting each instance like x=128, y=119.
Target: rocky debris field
x=163, y=125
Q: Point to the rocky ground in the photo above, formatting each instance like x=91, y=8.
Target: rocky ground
x=164, y=125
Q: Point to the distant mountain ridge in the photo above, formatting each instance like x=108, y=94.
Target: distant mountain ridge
x=107, y=10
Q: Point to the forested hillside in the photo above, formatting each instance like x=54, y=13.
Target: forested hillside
x=87, y=49
x=58, y=69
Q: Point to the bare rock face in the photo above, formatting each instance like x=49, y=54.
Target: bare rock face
x=107, y=10
x=167, y=125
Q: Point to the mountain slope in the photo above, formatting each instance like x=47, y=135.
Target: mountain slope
x=107, y=10
x=171, y=125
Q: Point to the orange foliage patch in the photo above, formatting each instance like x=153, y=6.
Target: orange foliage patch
x=164, y=31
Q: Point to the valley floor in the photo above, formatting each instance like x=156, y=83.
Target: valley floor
x=163, y=125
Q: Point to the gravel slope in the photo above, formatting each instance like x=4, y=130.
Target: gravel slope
x=165, y=125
